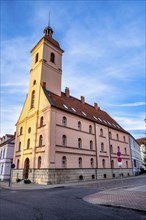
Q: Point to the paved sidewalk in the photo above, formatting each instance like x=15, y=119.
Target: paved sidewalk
x=132, y=198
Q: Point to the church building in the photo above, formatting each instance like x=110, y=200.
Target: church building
x=60, y=138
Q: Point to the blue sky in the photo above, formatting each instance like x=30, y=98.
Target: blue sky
x=104, y=55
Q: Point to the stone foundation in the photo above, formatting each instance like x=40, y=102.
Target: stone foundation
x=58, y=176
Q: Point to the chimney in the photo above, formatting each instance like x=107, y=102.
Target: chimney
x=67, y=92
x=96, y=106
x=44, y=84
x=83, y=99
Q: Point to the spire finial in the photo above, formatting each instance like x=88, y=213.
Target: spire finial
x=49, y=20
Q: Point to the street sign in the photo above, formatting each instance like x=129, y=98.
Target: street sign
x=119, y=159
x=119, y=164
x=12, y=165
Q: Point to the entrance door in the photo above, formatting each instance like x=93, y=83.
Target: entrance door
x=26, y=168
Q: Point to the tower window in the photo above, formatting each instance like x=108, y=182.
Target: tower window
x=32, y=99
x=36, y=58
x=52, y=57
x=34, y=82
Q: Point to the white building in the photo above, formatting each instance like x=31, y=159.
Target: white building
x=6, y=155
x=142, y=142
x=136, y=156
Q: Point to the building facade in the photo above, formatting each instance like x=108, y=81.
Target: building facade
x=136, y=156
x=6, y=155
x=142, y=143
x=60, y=138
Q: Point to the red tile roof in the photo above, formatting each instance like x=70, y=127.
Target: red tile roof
x=141, y=140
x=75, y=106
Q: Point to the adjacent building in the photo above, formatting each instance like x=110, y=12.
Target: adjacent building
x=136, y=156
x=60, y=138
x=142, y=143
x=6, y=155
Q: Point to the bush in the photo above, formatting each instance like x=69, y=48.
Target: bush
x=27, y=181
x=18, y=180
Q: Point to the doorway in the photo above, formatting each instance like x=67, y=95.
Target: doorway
x=26, y=168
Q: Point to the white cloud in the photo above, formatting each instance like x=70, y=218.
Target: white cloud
x=129, y=104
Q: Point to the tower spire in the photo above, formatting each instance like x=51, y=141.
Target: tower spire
x=48, y=31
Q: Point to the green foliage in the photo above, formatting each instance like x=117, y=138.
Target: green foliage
x=27, y=181
x=18, y=180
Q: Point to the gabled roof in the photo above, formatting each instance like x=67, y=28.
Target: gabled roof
x=75, y=106
x=141, y=140
x=12, y=138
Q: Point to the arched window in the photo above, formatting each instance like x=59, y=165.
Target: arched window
x=52, y=57
x=90, y=129
x=102, y=147
x=92, y=163
x=79, y=143
x=80, y=162
x=124, y=139
x=32, y=99
x=79, y=125
x=111, y=148
x=21, y=130
x=18, y=162
x=29, y=130
x=19, y=146
x=3, y=153
x=117, y=137
x=126, y=164
x=112, y=164
x=101, y=132
x=40, y=140
x=39, y=162
x=110, y=135
x=41, y=121
x=91, y=145
x=118, y=149
x=64, y=121
x=36, y=58
x=64, y=140
x=103, y=163
x=28, y=143
x=125, y=150
x=64, y=162
x=34, y=82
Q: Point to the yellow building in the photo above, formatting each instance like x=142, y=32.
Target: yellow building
x=60, y=138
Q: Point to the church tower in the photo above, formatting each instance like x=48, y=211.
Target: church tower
x=46, y=64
